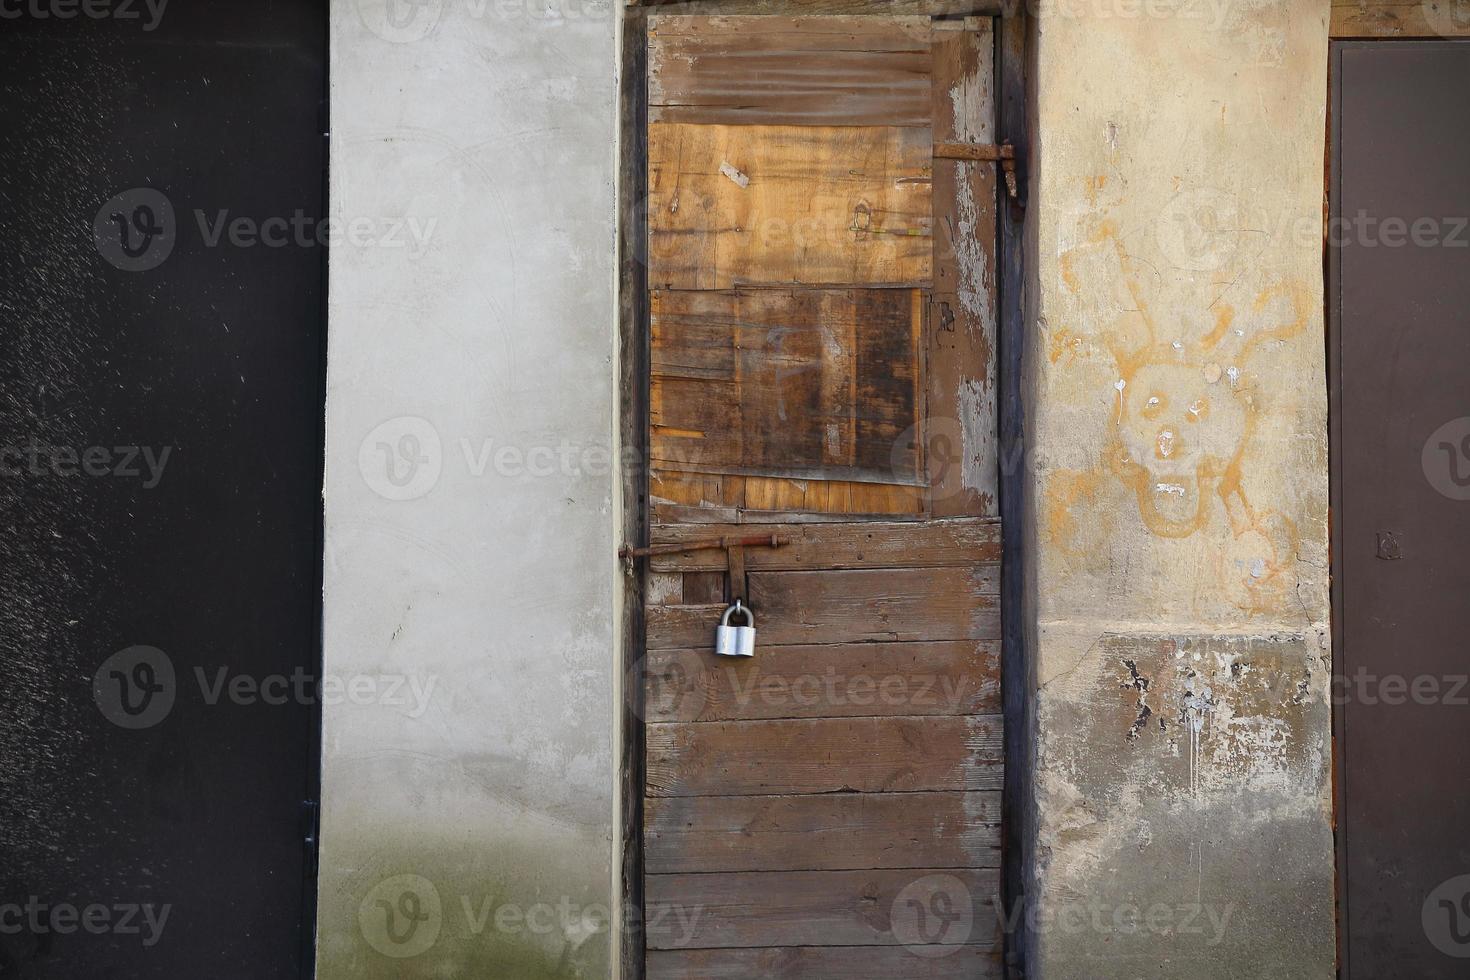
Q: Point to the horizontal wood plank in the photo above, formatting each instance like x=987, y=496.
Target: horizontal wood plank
x=1400, y=18
x=830, y=755
x=788, y=205
x=955, y=677
x=827, y=963
x=774, y=70
x=829, y=8
x=822, y=908
x=835, y=832
x=866, y=544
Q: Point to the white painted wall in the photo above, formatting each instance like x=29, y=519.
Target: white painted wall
x=470, y=501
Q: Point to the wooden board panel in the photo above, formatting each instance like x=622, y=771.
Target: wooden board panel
x=788, y=205
x=829, y=8
x=721, y=497
x=832, y=71
x=827, y=963
x=865, y=680
x=864, y=544
x=831, y=755
x=807, y=384
x=961, y=429
x=817, y=908
x=1400, y=18
x=845, y=831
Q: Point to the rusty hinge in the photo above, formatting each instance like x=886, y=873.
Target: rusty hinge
x=1002, y=153
x=734, y=548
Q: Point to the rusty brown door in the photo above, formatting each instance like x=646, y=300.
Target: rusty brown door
x=1400, y=293
x=821, y=239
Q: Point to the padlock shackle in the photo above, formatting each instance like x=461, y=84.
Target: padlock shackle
x=738, y=607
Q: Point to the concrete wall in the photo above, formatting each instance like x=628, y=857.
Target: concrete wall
x=1178, y=438
x=467, y=821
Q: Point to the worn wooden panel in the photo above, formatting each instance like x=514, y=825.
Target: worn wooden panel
x=828, y=963
x=862, y=544
x=808, y=384
x=869, y=679
x=832, y=71
x=822, y=833
x=1400, y=18
x=830, y=755
x=961, y=431
x=702, y=498
x=819, y=908
x=788, y=205
x=830, y=8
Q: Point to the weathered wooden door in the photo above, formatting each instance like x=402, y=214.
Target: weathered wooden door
x=1401, y=342
x=821, y=239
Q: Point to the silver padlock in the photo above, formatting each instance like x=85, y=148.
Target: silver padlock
x=736, y=641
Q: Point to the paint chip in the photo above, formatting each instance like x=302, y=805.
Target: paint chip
x=738, y=178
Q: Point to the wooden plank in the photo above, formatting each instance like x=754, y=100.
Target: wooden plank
x=820, y=908
x=773, y=70
x=828, y=963
x=828, y=8
x=829, y=755
x=788, y=205
x=897, y=605
x=866, y=680
x=1400, y=18
x=864, y=544
x=808, y=383
x=845, y=831
x=961, y=431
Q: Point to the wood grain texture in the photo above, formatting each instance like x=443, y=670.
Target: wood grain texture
x=844, y=831
x=702, y=498
x=897, y=605
x=821, y=908
x=828, y=8
x=863, y=544
x=803, y=384
x=792, y=71
x=865, y=680
x=828, y=963
x=1400, y=18
x=961, y=427
x=830, y=755
x=788, y=205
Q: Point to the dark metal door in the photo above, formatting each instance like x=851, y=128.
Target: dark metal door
x=161, y=364
x=1401, y=346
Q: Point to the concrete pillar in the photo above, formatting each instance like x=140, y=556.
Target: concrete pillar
x=1178, y=492
x=467, y=820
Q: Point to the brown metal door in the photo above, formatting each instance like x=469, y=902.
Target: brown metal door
x=821, y=240
x=1401, y=347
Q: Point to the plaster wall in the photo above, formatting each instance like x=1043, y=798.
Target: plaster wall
x=1178, y=540
x=467, y=819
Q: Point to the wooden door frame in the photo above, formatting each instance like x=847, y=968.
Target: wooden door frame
x=633, y=375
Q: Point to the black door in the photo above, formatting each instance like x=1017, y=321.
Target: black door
x=1400, y=297
x=161, y=365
